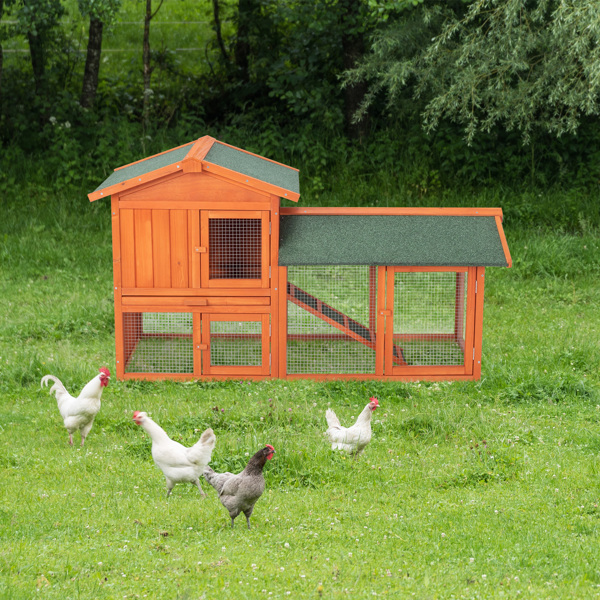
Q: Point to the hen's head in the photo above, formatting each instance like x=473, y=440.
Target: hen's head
x=271, y=451
x=373, y=403
x=138, y=417
x=104, y=376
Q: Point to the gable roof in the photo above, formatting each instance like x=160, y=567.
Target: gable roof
x=209, y=155
x=420, y=240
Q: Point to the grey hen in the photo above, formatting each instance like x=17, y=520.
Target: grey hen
x=239, y=493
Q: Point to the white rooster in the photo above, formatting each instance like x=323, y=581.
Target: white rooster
x=78, y=413
x=178, y=463
x=351, y=439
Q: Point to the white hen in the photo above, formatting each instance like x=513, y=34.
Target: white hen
x=178, y=463
x=351, y=439
x=78, y=413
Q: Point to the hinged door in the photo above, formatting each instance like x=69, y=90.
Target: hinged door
x=234, y=248
x=235, y=344
x=430, y=320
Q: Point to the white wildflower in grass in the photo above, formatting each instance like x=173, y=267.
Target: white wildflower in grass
x=471, y=560
x=443, y=535
x=286, y=545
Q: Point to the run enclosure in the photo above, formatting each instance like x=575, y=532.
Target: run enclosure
x=214, y=279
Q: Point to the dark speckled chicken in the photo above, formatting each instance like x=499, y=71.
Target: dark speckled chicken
x=239, y=493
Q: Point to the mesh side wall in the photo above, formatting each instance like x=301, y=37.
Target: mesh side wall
x=331, y=319
x=429, y=317
x=235, y=248
x=158, y=342
x=236, y=343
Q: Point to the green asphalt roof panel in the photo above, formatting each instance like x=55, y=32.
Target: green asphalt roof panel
x=254, y=166
x=395, y=240
x=147, y=165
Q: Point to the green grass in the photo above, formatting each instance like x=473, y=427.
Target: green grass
x=486, y=489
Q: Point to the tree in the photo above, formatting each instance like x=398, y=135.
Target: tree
x=37, y=20
x=147, y=69
x=523, y=65
x=100, y=13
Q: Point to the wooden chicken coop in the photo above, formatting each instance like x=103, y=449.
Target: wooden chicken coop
x=214, y=279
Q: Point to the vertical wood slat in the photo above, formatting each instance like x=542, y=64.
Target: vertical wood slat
x=470, y=322
x=380, y=320
x=283, y=307
x=161, y=248
x=143, y=248
x=264, y=220
x=274, y=284
x=116, y=243
x=201, y=272
x=179, y=249
x=478, y=335
x=127, y=237
x=265, y=343
x=197, y=336
x=195, y=241
x=389, y=321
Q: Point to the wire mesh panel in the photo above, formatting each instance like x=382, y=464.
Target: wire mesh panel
x=234, y=248
x=331, y=319
x=158, y=342
x=429, y=317
x=236, y=343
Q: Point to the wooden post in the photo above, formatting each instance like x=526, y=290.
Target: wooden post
x=478, y=342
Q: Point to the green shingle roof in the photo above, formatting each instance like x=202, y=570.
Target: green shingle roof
x=254, y=166
x=145, y=166
x=395, y=240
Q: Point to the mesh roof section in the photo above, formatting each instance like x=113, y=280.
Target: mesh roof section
x=254, y=166
x=395, y=240
x=146, y=166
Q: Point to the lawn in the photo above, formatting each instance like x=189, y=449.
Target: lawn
x=484, y=489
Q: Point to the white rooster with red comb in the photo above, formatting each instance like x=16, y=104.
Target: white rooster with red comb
x=78, y=413
x=351, y=439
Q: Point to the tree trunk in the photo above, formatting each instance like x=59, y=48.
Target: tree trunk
x=92, y=64
x=147, y=71
x=1, y=53
x=38, y=61
x=353, y=48
x=242, y=44
x=218, y=30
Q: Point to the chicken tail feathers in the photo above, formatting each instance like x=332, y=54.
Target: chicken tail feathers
x=332, y=420
x=58, y=388
x=201, y=451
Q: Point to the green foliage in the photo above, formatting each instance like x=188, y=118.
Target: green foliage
x=526, y=66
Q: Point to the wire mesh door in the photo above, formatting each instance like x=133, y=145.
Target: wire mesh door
x=235, y=248
x=236, y=344
x=158, y=343
x=429, y=325
x=331, y=320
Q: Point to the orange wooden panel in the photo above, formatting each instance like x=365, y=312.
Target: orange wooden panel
x=197, y=333
x=161, y=248
x=281, y=341
x=196, y=187
x=274, y=285
x=389, y=322
x=127, y=239
x=194, y=241
x=380, y=322
x=168, y=301
x=470, y=319
x=222, y=292
x=478, y=339
x=117, y=288
x=180, y=249
x=503, y=240
x=191, y=204
x=144, y=276
x=266, y=344
x=411, y=210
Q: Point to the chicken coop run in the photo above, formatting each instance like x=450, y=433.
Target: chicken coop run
x=213, y=278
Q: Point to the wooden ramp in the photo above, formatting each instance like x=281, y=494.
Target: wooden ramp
x=339, y=320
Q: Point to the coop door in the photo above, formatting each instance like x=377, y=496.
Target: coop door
x=235, y=344
x=235, y=249
x=429, y=323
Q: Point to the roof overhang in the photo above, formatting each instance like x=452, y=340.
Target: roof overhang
x=415, y=237
x=211, y=156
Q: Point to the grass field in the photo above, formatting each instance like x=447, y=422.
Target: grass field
x=485, y=489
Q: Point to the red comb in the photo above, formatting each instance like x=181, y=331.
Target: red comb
x=374, y=399
x=136, y=413
x=105, y=371
x=270, y=447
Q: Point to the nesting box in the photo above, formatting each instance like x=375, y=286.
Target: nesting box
x=213, y=279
